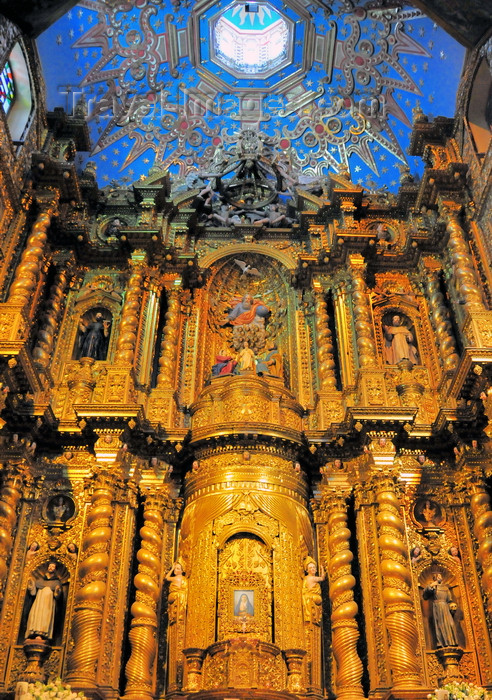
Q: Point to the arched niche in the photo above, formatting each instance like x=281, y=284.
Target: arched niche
x=479, y=112
x=45, y=602
x=244, y=589
x=263, y=289
x=449, y=596
x=94, y=333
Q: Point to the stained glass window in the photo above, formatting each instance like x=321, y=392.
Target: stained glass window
x=7, y=89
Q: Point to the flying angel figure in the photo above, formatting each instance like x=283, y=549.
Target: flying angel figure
x=247, y=269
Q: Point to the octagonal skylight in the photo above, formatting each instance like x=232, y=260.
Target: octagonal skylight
x=251, y=38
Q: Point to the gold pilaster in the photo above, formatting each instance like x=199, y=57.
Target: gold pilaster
x=142, y=635
x=13, y=478
x=43, y=350
x=326, y=362
x=168, y=356
x=399, y=612
x=461, y=260
x=364, y=331
x=27, y=272
x=344, y=609
x=127, y=339
x=93, y=584
x=482, y=517
x=440, y=316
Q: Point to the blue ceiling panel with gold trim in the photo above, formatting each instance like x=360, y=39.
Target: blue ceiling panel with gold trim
x=328, y=86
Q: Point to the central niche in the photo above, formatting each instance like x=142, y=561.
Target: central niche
x=251, y=39
x=245, y=588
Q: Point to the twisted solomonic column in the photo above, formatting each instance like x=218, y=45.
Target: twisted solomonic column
x=442, y=322
x=345, y=631
x=142, y=635
x=10, y=495
x=127, y=338
x=324, y=342
x=167, y=359
x=43, y=349
x=364, y=330
x=462, y=262
x=27, y=272
x=482, y=518
x=93, y=572
x=397, y=593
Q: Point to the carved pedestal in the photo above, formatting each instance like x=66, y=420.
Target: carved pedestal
x=450, y=659
x=194, y=661
x=293, y=659
x=36, y=651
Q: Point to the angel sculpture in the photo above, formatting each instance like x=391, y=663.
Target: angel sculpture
x=247, y=269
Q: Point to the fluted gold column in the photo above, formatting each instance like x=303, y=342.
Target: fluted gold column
x=345, y=631
x=10, y=494
x=440, y=315
x=27, y=272
x=324, y=342
x=168, y=356
x=364, y=331
x=397, y=594
x=482, y=518
x=459, y=253
x=43, y=349
x=93, y=570
x=127, y=339
x=142, y=635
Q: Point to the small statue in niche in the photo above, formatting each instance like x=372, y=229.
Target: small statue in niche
x=45, y=587
x=311, y=592
x=442, y=618
x=178, y=592
x=94, y=336
x=399, y=342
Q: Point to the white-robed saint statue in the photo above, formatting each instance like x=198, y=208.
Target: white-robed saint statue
x=46, y=590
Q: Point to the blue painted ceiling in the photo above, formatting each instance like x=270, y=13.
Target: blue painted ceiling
x=156, y=93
